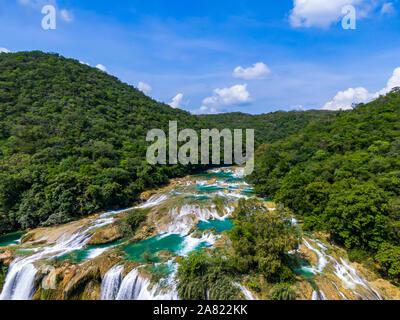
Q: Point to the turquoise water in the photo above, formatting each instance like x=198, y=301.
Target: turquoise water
x=219, y=225
x=206, y=188
x=220, y=174
x=173, y=243
x=80, y=255
x=267, y=199
x=248, y=191
x=199, y=198
x=11, y=238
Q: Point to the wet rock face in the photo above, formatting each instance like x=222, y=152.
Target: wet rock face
x=105, y=235
x=173, y=210
x=3, y=273
x=6, y=257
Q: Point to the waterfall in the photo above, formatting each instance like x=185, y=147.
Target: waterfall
x=190, y=244
x=318, y=295
x=246, y=292
x=152, y=202
x=346, y=273
x=135, y=287
x=130, y=289
x=111, y=283
x=19, y=282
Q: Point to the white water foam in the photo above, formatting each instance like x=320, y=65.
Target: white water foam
x=134, y=287
x=111, y=283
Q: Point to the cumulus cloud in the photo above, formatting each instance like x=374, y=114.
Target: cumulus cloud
x=66, y=15
x=323, y=13
x=101, y=67
x=344, y=100
x=176, y=101
x=4, y=50
x=387, y=9
x=205, y=110
x=235, y=95
x=144, y=87
x=393, y=82
x=258, y=71
x=85, y=63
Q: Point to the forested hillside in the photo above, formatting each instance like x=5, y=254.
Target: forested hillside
x=268, y=127
x=72, y=140
x=342, y=176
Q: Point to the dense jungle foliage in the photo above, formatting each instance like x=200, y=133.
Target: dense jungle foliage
x=259, y=244
x=268, y=127
x=72, y=140
x=342, y=175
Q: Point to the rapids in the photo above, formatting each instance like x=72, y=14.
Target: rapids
x=190, y=215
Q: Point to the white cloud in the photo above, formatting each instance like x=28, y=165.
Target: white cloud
x=205, y=110
x=66, y=15
x=393, y=82
x=345, y=99
x=4, y=50
x=258, y=71
x=101, y=67
x=144, y=87
x=387, y=9
x=176, y=101
x=82, y=62
x=323, y=13
x=235, y=95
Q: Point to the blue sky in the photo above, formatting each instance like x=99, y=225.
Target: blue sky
x=219, y=56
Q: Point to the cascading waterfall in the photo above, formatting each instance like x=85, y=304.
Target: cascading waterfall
x=153, y=201
x=178, y=225
x=346, y=273
x=19, y=282
x=111, y=283
x=246, y=292
x=135, y=287
x=318, y=295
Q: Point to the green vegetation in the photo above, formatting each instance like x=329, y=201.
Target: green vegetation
x=268, y=127
x=261, y=241
x=283, y=291
x=3, y=273
x=204, y=274
x=342, y=175
x=130, y=222
x=72, y=141
x=259, y=245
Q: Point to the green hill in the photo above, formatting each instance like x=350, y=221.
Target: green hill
x=72, y=140
x=342, y=175
x=268, y=127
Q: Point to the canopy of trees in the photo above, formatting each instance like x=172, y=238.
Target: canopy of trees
x=72, y=140
x=268, y=127
x=342, y=175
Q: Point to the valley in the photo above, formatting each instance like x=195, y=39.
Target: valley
x=90, y=259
